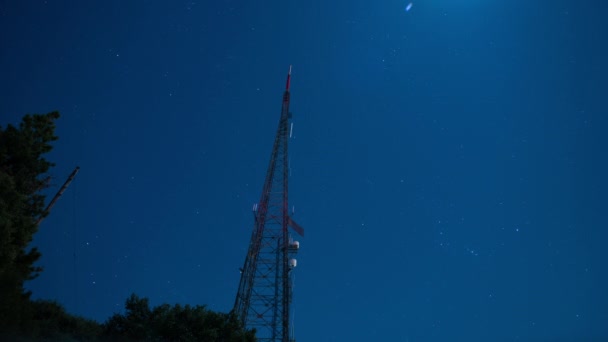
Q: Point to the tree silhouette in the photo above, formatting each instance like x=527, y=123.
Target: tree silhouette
x=22, y=167
x=173, y=323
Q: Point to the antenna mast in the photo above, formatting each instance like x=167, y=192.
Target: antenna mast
x=57, y=195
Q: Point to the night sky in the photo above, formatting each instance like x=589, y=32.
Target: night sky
x=447, y=162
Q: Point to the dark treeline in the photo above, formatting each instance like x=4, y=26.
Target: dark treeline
x=22, y=179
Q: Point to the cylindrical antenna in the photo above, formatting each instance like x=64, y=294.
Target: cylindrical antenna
x=288, y=79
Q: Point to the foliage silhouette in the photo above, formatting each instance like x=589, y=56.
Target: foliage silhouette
x=173, y=323
x=21, y=169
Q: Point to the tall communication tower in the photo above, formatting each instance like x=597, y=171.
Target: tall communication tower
x=265, y=289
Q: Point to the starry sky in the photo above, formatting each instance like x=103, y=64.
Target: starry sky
x=447, y=161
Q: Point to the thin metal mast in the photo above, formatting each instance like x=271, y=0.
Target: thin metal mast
x=57, y=195
x=264, y=294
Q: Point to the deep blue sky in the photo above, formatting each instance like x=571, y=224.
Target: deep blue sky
x=447, y=163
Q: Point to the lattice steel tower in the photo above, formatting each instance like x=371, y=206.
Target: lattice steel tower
x=264, y=294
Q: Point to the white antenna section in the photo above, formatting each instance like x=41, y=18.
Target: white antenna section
x=291, y=130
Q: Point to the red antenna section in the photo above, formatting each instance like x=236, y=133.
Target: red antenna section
x=288, y=79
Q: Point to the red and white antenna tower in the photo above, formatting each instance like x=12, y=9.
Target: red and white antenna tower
x=265, y=289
